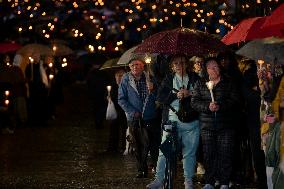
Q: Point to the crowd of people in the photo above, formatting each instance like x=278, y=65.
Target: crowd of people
x=30, y=91
x=223, y=130
x=226, y=112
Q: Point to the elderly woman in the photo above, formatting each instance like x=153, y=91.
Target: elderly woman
x=175, y=88
x=216, y=123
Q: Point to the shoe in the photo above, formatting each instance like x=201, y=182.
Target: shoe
x=224, y=187
x=155, y=184
x=208, y=186
x=188, y=184
x=217, y=184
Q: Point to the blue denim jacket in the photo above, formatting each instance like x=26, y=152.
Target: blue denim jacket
x=130, y=102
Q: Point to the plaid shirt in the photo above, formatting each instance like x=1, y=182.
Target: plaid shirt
x=142, y=87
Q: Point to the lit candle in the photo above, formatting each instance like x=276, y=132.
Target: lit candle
x=210, y=85
x=7, y=93
x=108, y=88
x=260, y=62
x=7, y=102
x=51, y=76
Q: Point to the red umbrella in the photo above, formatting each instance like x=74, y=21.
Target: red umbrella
x=9, y=47
x=250, y=29
x=181, y=41
x=276, y=19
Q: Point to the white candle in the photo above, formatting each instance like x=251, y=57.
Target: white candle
x=51, y=76
x=210, y=85
x=108, y=88
x=7, y=102
x=7, y=93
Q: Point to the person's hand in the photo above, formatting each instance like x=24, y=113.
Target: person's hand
x=183, y=93
x=213, y=107
x=137, y=115
x=150, y=86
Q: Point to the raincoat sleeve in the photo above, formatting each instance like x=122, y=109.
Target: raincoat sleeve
x=123, y=97
x=231, y=101
x=198, y=103
x=165, y=93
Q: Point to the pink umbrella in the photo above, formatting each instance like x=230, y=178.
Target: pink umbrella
x=250, y=29
x=276, y=19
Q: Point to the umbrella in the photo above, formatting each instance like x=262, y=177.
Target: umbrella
x=130, y=54
x=112, y=63
x=9, y=47
x=276, y=19
x=61, y=49
x=268, y=49
x=250, y=29
x=31, y=49
x=181, y=41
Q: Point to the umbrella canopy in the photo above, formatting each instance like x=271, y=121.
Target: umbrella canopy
x=181, y=41
x=130, y=54
x=269, y=49
x=31, y=49
x=250, y=29
x=61, y=49
x=276, y=19
x=112, y=63
x=9, y=47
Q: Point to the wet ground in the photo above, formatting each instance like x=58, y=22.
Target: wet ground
x=68, y=153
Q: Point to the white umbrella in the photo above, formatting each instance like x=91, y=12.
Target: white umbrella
x=129, y=55
x=269, y=49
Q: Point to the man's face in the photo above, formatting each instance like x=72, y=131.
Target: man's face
x=213, y=70
x=136, y=67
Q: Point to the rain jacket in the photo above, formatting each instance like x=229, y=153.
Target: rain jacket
x=274, y=152
x=166, y=95
x=225, y=95
x=130, y=101
x=278, y=98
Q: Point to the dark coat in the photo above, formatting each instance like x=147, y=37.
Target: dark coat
x=225, y=94
x=166, y=95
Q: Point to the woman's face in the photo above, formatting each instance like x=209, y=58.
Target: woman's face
x=179, y=65
x=118, y=76
x=213, y=70
x=198, y=64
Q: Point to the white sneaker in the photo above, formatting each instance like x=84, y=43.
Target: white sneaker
x=188, y=184
x=155, y=184
x=224, y=187
x=208, y=186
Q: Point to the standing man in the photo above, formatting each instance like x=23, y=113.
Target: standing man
x=136, y=96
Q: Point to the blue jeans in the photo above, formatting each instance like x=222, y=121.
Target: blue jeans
x=188, y=134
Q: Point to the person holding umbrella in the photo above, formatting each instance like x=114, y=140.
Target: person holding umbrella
x=137, y=96
x=215, y=101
